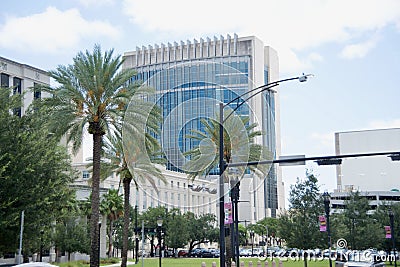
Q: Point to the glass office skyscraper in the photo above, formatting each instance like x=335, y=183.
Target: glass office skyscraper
x=192, y=77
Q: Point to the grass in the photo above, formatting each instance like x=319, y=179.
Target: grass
x=196, y=262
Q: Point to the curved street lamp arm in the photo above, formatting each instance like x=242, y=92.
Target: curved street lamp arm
x=301, y=78
x=267, y=88
x=263, y=88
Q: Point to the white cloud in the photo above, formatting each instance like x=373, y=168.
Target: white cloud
x=89, y=3
x=52, y=31
x=288, y=26
x=359, y=50
x=385, y=124
x=326, y=139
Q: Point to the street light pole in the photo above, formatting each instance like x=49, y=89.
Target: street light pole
x=391, y=217
x=221, y=188
x=327, y=201
x=159, y=225
x=136, y=236
x=266, y=242
x=222, y=164
x=252, y=241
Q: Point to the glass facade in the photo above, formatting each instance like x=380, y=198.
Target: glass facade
x=190, y=91
x=270, y=185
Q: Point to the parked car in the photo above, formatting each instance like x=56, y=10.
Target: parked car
x=35, y=264
x=183, y=253
x=361, y=260
x=245, y=252
x=195, y=252
x=143, y=253
x=257, y=252
x=209, y=253
x=169, y=252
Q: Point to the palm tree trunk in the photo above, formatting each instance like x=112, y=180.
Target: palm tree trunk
x=127, y=186
x=110, y=239
x=94, y=217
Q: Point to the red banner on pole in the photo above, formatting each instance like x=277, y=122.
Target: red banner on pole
x=322, y=223
x=228, y=213
x=388, y=232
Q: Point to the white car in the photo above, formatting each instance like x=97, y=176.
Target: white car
x=245, y=252
x=36, y=264
x=362, y=260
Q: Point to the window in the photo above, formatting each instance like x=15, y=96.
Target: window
x=4, y=80
x=17, y=83
x=85, y=175
x=172, y=183
x=152, y=199
x=37, y=93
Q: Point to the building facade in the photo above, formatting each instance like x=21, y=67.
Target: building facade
x=22, y=79
x=368, y=173
x=375, y=199
x=191, y=78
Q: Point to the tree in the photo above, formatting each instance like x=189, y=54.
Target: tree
x=92, y=92
x=200, y=229
x=362, y=230
x=71, y=235
x=35, y=174
x=300, y=225
x=131, y=163
x=382, y=217
x=149, y=218
x=239, y=136
x=177, y=234
x=265, y=228
x=239, y=144
x=112, y=207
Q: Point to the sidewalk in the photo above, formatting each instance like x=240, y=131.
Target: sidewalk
x=119, y=264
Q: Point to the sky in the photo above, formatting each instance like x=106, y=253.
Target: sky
x=351, y=46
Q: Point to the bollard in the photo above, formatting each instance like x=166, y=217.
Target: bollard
x=250, y=264
x=203, y=264
x=273, y=264
x=213, y=264
x=258, y=263
x=266, y=263
x=242, y=264
x=280, y=264
x=233, y=264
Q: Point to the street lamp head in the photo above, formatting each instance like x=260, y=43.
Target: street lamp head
x=304, y=77
x=159, y=221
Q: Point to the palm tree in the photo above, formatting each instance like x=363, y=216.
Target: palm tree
x=239, y=137
x=130, y=165
x=239, y=144
x=90, y=95
x=112, y=207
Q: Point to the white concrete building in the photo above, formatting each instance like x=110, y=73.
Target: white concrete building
x=375, y=199
x=378, y=173
x=22, y=78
